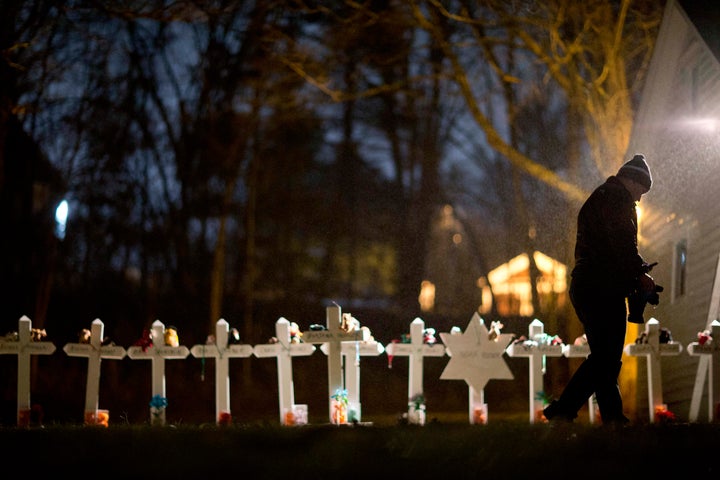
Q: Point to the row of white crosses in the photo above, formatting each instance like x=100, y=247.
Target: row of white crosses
x=478, y=360
x=475, y=356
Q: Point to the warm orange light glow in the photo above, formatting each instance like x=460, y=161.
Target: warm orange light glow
x=639, y=213
x=427, y=296
x=485, y=296
x=447, y=220
x=512, y=286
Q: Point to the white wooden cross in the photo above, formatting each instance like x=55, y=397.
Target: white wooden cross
x=334, y=337
x=583, y=350
x=222, y=353
x=653, y=350
x=94, y=352
x=283, y=350
x=416, y=350
x=158, y=353
x=24, y=347
x=535, y=350
x=710, y=351
x=704, y=365
x=351, y=353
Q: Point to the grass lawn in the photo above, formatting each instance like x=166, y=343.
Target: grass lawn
x=441, y=449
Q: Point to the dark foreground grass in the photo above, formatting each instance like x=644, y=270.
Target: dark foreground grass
x=502, y=449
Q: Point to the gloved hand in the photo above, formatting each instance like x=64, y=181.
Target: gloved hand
x=646, y=292
x=647, y=283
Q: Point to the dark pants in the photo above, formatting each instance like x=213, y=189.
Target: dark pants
x=603, y=315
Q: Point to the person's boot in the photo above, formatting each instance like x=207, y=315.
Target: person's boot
x=555, y=413
x=616, y=422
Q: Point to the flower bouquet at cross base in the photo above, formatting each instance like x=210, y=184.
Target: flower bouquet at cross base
x=158, y=404
x=544, y=400
x=663, y=415
x=97, y=417
x=416, y=410
x=224, y=419
x=339, y=407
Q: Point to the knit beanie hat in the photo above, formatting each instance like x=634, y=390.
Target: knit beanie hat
x=637, y=169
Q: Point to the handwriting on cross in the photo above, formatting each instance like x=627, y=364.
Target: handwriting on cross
x=334, y=337
x=222, y=352
x=94, y=352
x=24, y=347
x=535, y=350
x=416, y=350
x=284, y=350
x=157, y=353
x=351, y=353
x=476, y=357
x=652, y=350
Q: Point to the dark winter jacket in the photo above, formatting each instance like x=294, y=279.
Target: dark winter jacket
x=606, y=253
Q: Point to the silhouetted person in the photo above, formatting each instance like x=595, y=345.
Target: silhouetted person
x=608, y=269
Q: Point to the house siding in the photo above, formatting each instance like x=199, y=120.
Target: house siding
x=683, y=86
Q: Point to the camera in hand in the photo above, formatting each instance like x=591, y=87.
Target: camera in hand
x=638, y=299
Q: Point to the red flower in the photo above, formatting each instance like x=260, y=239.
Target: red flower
x=664, y=416
x=225, y=418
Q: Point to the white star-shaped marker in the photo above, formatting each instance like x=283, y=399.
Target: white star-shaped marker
x=474, y=357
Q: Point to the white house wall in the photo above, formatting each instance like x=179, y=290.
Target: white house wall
x=682, y=90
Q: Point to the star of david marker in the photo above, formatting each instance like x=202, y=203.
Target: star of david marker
x=476, y=358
